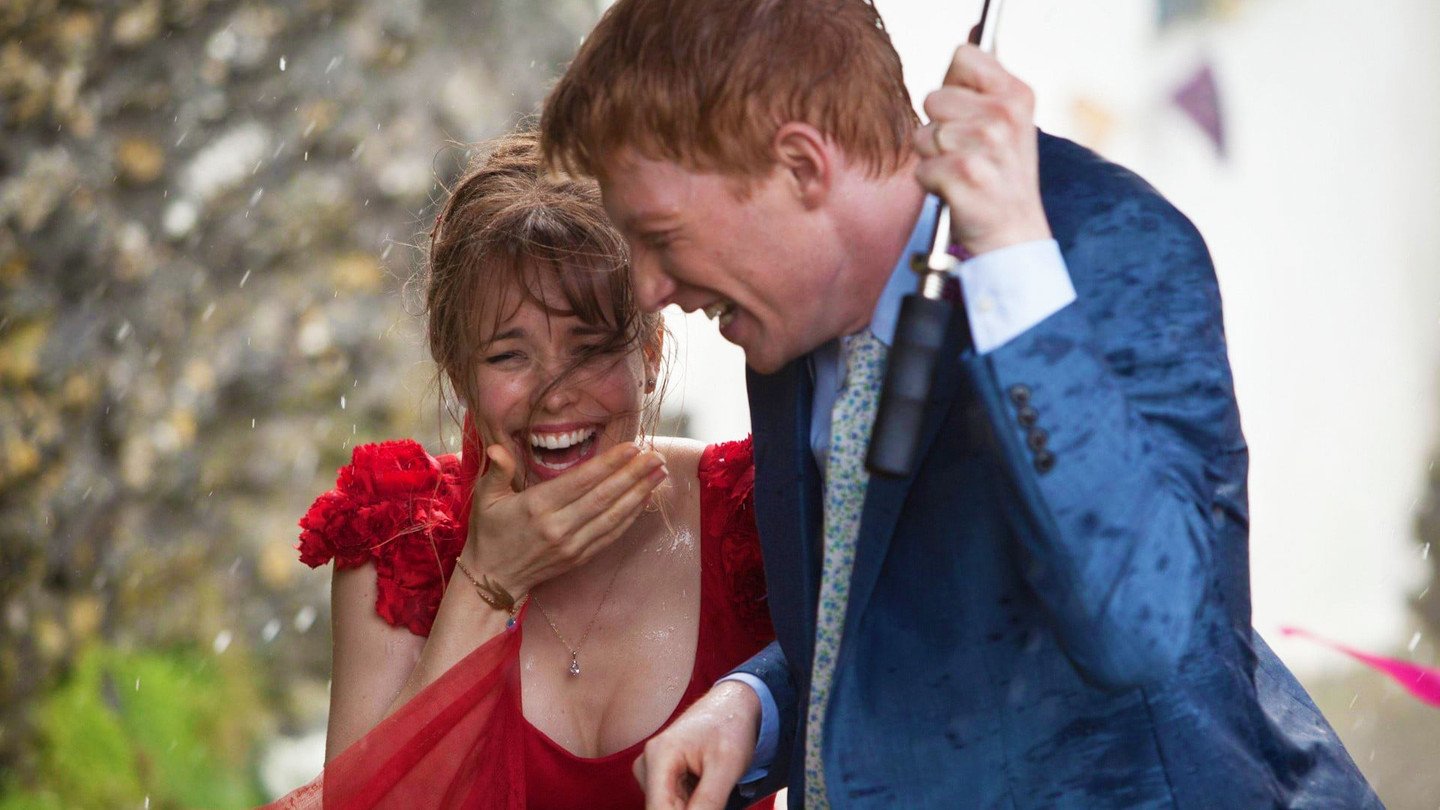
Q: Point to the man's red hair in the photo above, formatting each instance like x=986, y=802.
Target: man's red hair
x=706, y=83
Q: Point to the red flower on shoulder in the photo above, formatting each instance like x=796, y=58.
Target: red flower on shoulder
x=397, y=506
x=728, y=475
x=326, y=534
x=388, y=470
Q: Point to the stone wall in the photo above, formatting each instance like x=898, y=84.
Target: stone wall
x=207, y=213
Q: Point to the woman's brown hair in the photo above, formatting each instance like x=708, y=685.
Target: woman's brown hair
x=508, y=225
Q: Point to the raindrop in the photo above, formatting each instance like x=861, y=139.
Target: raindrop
x=244, y=278
x=252, y=423
x=1414, y=641
x=334, y=63
x=137, y=684
x=147, y=802
x=1425, y=552
x=124, y=331
x=257, y=194
x=209, y=310
x=306, y=158
x=385, y=254
x=1354, y=700
x=282, y=64
x=270, y=631
x=222, y=641
x=342, y=402
x=304, y=618
x=181, y=139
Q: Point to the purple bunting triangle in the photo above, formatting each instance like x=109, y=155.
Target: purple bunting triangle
x=1199, y=98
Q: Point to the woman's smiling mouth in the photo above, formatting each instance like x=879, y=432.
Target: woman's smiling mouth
x=555, y=449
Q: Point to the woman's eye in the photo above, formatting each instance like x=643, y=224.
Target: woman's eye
x=502, y=357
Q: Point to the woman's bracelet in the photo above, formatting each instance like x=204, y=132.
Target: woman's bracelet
x=491, y=593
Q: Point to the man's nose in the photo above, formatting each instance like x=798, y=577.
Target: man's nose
x=653, y=288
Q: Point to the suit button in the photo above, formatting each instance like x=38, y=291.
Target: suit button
x=1027, y=417
x=1020, y=395
x=1044, y=461
x=1037, y=438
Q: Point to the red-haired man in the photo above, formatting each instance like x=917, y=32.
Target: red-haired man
x=1053, y=611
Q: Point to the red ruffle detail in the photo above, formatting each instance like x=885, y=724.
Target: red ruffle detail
x=406, y=511
x=395, y=505
x=727, y=484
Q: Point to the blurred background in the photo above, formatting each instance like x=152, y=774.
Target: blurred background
x=209, y=211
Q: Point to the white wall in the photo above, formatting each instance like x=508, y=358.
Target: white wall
x=1321, y=222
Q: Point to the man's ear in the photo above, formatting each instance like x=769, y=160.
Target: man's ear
x=808, y=160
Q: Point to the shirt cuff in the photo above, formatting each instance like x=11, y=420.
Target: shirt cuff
x=1010, y=290
x=769, y=738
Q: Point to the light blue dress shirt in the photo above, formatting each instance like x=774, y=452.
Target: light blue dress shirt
x=1006, y=292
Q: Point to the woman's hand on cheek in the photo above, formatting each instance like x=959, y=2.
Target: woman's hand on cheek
x=521, y=539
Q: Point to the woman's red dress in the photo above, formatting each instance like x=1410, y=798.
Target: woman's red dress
x=463, y=741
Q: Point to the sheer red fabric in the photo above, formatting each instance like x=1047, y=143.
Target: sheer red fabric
x=463, y=742
x=455, y=745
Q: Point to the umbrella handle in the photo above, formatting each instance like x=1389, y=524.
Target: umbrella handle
x=920, y=329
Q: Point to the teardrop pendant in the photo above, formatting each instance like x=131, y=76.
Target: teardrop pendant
x=575, y=664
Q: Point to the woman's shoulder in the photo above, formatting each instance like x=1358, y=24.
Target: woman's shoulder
x=711, y=473
x=682, y=455
x=397, y=506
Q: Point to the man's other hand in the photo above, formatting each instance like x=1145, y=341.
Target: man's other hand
x=695, y=763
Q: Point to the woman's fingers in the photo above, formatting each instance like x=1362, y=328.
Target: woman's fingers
x=605, y=505
x=611, y=522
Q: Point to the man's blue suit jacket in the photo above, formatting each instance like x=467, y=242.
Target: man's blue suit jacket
x=1053, y=611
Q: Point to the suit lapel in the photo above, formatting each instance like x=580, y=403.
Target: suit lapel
x=886, y=496
x=787, y=498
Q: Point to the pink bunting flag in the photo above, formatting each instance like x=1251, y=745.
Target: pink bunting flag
x=1199, y=98
x=1422, y=682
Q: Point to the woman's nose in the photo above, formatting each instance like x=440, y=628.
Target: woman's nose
x=558, y=392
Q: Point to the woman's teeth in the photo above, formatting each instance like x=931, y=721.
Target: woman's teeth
x=560, y=441
x=723, y=311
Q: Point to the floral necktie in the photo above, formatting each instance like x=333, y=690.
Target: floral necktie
x=845, y=482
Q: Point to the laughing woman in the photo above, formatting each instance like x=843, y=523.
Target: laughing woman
x=512, y=624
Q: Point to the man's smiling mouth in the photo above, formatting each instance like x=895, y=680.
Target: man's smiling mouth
x=723, y=312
